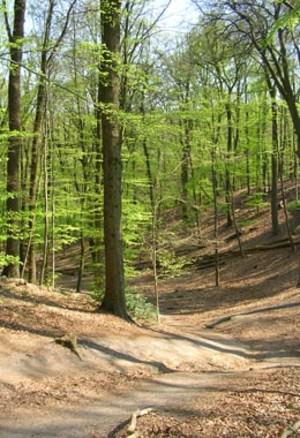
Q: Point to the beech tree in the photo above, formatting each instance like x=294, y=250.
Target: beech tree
x=47, y=54
x=114, y=298
x=15, y=38
x=265, y=24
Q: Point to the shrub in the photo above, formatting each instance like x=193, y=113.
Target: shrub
x=293, y=206
x=138, y=307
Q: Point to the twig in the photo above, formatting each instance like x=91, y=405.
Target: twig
x=132, y=426
x=290, y=430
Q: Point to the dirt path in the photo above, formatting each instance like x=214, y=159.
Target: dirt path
x=101, y=417
x=99, y=414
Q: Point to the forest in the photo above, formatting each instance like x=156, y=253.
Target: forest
x=150, y=218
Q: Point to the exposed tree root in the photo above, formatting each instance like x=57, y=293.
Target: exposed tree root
x=227, y=318
x=70, y=342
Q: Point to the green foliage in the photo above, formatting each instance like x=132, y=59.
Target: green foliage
x=293, y=206
x=246, y=222
x=65, y=235
x=6, y=260
x=171, y=266
x=5, y=135
x=290, y=20
x=137, y=306
x=174, y=112
x=136, y=217
x=136, y=222
x=256, y=201
x=222, y=207
x=51, y=279
x=129, y=269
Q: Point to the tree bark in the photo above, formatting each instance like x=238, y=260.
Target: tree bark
x=216, y=224
x=114, y=298
x=15, y=140
x=274, y=189
x=228, y=163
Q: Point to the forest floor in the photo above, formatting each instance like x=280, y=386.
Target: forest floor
x=239, y=378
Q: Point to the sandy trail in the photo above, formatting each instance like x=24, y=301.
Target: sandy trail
x=99, y=414
x=101, y=417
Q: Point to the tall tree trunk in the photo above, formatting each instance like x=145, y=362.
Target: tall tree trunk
x=216, y=226
x=186, y=127
x=195, y=199
x=114, y=298
x=228, y=161
x=185, y=143
x=236, y=136
x=81, y=265
x=147, y=157
x=283, y=146
x=35, y=149
x=96, y=244
x=34, y=170
x=46, y=209
x=15, y=140
x=247, y=138
x=274, y=188
x=296, y=166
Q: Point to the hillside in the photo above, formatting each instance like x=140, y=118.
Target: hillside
x=240, y=377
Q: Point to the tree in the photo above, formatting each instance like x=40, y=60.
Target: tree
x=15, y=39
x=114, y=298
x=274, y=194
x=265, y=25
x=47, y=55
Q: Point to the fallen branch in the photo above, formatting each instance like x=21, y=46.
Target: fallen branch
x=210, y=265
x=227, y=318
x=290, y=430
x=208, y=261
x=267, y=391
x=132, y=426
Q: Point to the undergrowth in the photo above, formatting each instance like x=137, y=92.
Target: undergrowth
x=137, y=306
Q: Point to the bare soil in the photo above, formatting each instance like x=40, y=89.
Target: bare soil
x=256, y=404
